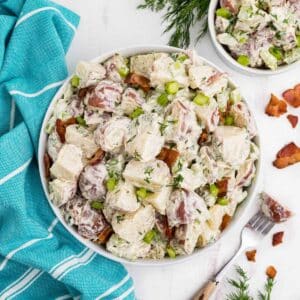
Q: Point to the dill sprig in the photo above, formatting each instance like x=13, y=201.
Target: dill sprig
x=181, y=16
x=241, y=286
x=266, y=295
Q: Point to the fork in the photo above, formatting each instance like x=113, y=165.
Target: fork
x=253, y=232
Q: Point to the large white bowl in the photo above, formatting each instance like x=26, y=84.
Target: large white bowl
x=101, y=250
x=229, y=59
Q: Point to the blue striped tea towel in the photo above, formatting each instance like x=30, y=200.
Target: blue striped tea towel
x=39, y=259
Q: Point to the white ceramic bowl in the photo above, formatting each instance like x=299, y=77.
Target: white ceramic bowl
x=229, y=59
x=101, y=250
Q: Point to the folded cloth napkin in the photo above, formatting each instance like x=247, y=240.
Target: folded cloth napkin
x=39, y=259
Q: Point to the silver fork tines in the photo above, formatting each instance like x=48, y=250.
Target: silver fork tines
x=260, y=223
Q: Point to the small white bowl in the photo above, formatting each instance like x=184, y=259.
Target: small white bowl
x=97, y=248
x=229, y=59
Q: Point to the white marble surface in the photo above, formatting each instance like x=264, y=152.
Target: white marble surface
x=109, y=24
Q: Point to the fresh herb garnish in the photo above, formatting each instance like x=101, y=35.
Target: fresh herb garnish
x=120, y=218
x=266, y=295
x=180, y=17
x=148, y=171
x=241, y=285
x=177, y=181
x=137, y=156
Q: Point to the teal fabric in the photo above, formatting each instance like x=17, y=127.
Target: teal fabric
x=39, y=259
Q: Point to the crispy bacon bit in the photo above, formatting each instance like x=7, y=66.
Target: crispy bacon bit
x=251, y=255
x=222, y=185
x=225, y=222
x=47, y=164
x=169, y=156
x=83, y=91
x=292, y=96
x=61, y=127
x=288, y=155
x=98, y=156
x=104, y=235
x=273, y=210
x=277, y=238
x=276, y=107
x=203, y=137
x=293, y=120
x=162, y=225
x=141, y=81
x=271, y=272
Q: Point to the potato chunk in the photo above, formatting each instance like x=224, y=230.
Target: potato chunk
x=152, y=175
x=122, y=248
x=68, y=164
x=61, y=191
x=123, y=197
x=159, y=199
x=81, y=137
x=133, y=227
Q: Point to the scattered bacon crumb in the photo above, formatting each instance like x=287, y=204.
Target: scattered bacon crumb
x=292, y=96
x=222, y=185
x=61, y=127
x=293, y=120
x=139, y=80
x=169, y=156
x=104, y=235
x=274, y=210
x=277, y=238
x=251, y=255
x=276, y=107
x=203, y=137
x=271, y=272
x=98, y=156
x=288, y=155
x=225, y=222
x=47, y=164
x=83, y=91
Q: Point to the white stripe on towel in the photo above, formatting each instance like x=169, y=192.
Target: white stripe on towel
x=43, y=90
x=125, y=294
x=67, y=259
x=86, y=261
x=114, y=287
x=28, y=244
x=21, y=283
x=73, y=263
x=15, y=172
x=64, y=297
x=36, y=11
x=12, y=115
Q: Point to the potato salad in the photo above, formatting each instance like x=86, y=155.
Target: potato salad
x=260, y=33
x=150, y=155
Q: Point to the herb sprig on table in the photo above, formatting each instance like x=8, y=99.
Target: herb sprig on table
x=180, y=16
x=241, y=287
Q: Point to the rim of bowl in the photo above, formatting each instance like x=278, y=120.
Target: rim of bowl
x=252, y=190
x=229, y=59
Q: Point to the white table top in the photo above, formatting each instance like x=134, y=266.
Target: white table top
x=109, y=24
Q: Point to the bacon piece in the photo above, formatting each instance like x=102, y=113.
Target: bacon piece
x=271, y=272
x=274, y=210
x=98, y=156
x=83, y=91
x=61, y=127
x=232, y=5
x=276, y=107
x=162, y=225
x=139, y=80
x=288, y=155
x=225, y=222
x=104, y=235
x=293, y=120
x=251, y=255
x=47, y=164
x=169, y=156
x=222, y=185
x=292, y=96
x=203, y=137
x=277, y=238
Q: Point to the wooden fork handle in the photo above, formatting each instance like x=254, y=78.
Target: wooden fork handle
x=206, y=291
